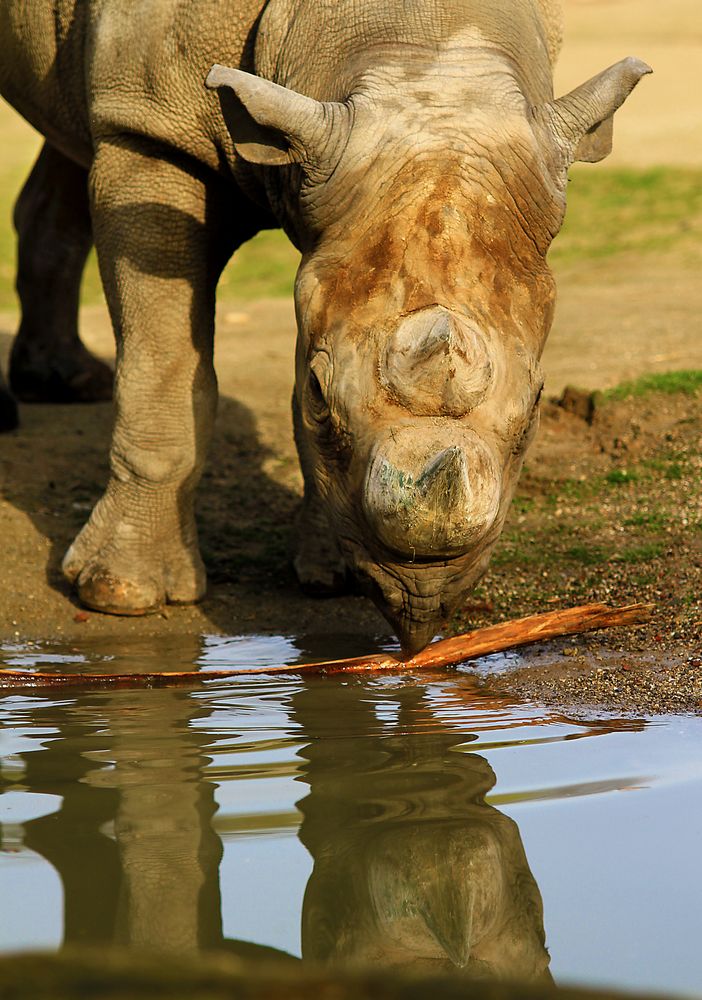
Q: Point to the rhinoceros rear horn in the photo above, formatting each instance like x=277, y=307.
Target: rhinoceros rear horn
x=272, y=125
x=582, y=121
x=437, y=364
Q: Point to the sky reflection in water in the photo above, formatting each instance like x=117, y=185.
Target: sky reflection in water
x=351, y=820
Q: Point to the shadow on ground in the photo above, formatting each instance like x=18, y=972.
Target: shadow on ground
x=54, y=468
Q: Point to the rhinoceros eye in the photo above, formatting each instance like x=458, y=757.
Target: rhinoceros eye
x=525, y=434
x=319, y=408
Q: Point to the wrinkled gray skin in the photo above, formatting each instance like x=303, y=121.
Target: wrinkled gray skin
x=422, y=175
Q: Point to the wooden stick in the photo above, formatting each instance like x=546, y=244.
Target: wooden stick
x=534, y=628
x=446, y=652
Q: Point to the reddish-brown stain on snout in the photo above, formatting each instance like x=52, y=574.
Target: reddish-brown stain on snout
x=381, y=255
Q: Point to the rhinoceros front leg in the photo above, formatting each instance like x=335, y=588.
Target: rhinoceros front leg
x=49, y=362
x=318, y=563
x=317, y=560
x=160, y=242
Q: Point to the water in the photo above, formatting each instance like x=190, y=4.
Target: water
x=408, y=821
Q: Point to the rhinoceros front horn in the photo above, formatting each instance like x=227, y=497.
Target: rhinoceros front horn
x=437, y=364
x=430, y=507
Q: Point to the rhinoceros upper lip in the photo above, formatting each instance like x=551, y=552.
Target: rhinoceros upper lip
x=390, y=562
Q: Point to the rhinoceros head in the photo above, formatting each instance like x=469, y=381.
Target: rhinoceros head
x=423, y=303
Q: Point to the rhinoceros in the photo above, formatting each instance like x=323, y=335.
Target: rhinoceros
x=414, y=153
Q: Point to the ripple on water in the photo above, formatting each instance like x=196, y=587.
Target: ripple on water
x=369, y=818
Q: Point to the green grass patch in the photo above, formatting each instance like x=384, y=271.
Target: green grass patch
x=640, y=553
x=265, y=267
x=515, y=554
x=618, y=477
x=686, y=382
x=620, y=210
x=650, y=520
x=674, y=471
x=570, y=491
x=588, y=555
x=574, y=489
x=668, y=468
x=522, y=504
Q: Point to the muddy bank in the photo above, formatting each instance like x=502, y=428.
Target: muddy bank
x=98, y=974
x=586, y=675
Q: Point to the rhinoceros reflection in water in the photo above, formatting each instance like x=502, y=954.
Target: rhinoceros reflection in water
x=411, y=866
x=133, y=843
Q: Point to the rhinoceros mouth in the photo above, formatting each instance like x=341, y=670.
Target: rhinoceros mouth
x=416, y=598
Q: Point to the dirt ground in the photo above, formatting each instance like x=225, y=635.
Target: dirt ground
x=607, y=511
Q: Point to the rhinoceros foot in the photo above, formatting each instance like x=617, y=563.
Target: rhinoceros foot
x=71, y=376
x=101, y=591
x=129, y=560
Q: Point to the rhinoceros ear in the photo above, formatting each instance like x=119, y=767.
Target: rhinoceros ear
x=582, y=121
x=270, y=124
